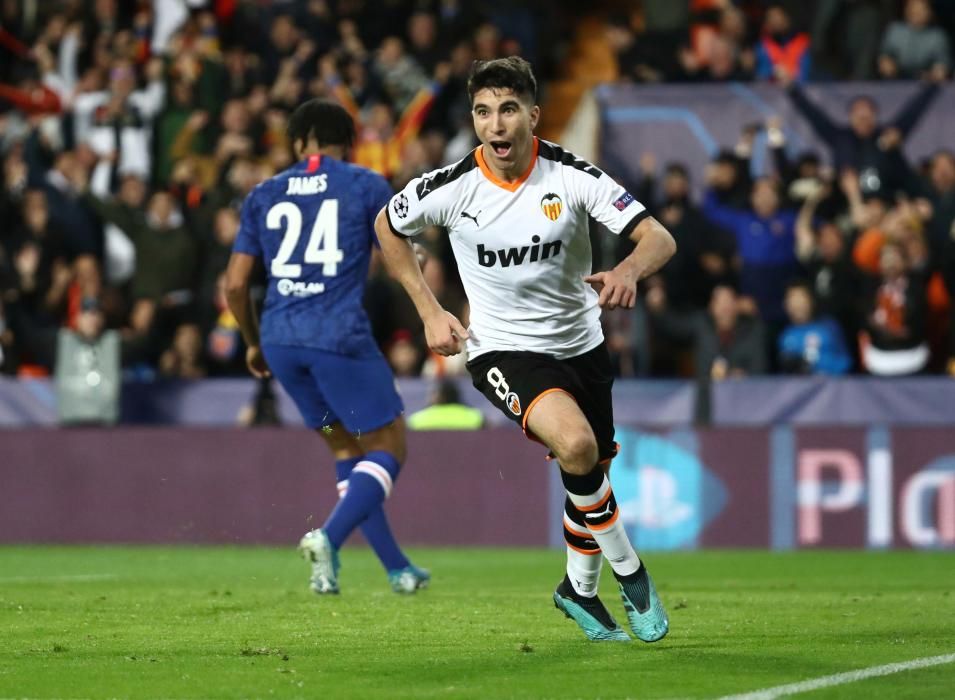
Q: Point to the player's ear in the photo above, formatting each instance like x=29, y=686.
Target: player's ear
x=535, y=116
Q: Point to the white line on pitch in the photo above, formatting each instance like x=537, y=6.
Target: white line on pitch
x=842, y=678
x=63, y=578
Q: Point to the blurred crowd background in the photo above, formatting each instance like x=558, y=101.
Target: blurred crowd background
x=131, y=131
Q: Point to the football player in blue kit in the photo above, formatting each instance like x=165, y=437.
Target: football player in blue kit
x=312, y=226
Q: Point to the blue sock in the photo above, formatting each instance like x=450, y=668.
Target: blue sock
x=375, y=527
x=369, y=484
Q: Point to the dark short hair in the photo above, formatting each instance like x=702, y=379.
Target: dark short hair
x=511, y=73
x=800, y=283
x=447, y=392
x=808, y=158
x=726, y=157
x=327, y=121
x=678, y=169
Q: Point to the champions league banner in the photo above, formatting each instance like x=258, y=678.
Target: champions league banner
x=781, y=488
x=785, y=488
x=691, y=123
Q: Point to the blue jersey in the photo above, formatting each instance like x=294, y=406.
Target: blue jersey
x=313, y=227
x=818, y=344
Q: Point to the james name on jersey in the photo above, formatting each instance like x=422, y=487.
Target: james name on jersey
x=307, y=185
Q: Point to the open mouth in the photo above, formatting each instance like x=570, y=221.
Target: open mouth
x=501, y=148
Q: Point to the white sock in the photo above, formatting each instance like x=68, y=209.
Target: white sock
x=603, y=520
x=583, y=571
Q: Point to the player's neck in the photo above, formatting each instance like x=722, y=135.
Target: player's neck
x=509, y=172
x=336, y=152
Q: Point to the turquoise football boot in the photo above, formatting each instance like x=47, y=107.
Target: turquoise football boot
x=589, y=614
x=645, y=612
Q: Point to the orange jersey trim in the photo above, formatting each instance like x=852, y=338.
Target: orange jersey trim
x=509, y=186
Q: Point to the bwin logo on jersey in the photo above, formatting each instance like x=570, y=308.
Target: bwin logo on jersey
x=516, y=256
x=551, y=205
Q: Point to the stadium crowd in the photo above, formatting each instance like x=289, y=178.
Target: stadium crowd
x=130, y=133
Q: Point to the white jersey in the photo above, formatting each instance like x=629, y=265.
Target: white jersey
x=522, y=248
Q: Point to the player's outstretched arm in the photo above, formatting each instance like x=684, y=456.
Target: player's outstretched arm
x=444, y=332
x=618, y=287
x=237, y=281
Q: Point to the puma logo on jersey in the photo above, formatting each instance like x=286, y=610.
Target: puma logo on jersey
x=516, y=256
x=307, y=185
x=472, y=218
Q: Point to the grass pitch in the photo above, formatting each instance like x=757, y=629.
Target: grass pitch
x=237, y=622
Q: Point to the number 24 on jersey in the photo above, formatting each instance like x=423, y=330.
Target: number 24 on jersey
x=322, y=247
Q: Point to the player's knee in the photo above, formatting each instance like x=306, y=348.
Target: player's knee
x=390, y=439
x=577, y=451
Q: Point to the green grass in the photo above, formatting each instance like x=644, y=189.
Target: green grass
x=235, y=622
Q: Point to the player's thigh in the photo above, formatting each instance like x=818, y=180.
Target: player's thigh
x=557, y=421
x=519, y=383
x=292, y=367
x=594, y=395
x=361, y=391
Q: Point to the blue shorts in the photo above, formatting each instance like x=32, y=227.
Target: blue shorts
x=329, y=388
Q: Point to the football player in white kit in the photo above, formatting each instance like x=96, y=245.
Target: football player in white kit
x=516, y=212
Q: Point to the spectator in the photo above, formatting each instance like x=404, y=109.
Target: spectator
x=649, y=56
x=183, y=360
x=704, y=252
x=6, y=339
x=781, y=50
x=845, y=37
x=914, y=48
x=225, y=349
x=423, y=41
x=404, y=356
x=41, y=262
x=446, y=411
x=865, y=145
x=116, y=123
x=765, y=239
x=941, y=197
x=166, y=285
x=119, y=258
x=947, y=263
x=88, y=369
x=724, y=61
x=63, y=185
x=810, y=344
x=822, y=251
x=727, y=343
x=798, y=178
x=893, y=339
x=381, y=140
